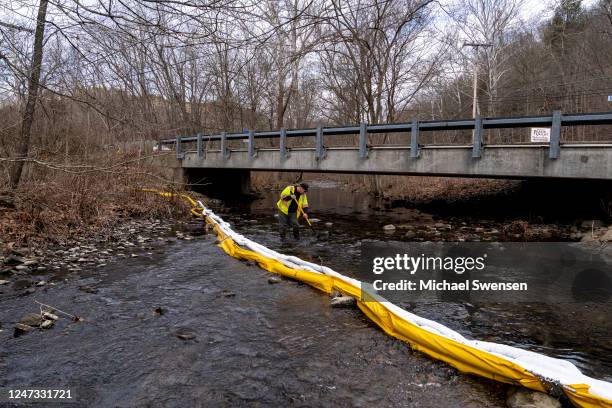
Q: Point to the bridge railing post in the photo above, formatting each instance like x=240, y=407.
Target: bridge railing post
x=199, y=148
x=414, y=139
x=252, y=151
x=320, y=148
x=555, y=136
x=477, y=142
x=179, y=152
x=283, y=144
x=224, y=149
x=363, y=141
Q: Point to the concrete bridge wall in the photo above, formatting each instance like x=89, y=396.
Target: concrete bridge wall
x=518, y=162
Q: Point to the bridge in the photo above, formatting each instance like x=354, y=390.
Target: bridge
x=555, y=159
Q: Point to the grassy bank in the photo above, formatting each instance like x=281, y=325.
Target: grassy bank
x=57, y=203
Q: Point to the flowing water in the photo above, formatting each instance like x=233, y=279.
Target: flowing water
x=253, y=343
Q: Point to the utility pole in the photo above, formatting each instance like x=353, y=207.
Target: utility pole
x=475, y=109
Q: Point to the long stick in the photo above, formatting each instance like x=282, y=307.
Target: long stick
x=302, y=211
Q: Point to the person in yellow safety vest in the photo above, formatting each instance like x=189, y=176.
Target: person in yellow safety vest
x=292, y=200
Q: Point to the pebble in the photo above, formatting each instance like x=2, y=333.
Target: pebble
x=41, y=283
x=228, y=293
x=389, y=227
x=21, y=268
x=3, y=282
x=274, y=280
x=134, y=255
x=329, y=224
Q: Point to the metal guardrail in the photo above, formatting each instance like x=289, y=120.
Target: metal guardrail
x=556, y=121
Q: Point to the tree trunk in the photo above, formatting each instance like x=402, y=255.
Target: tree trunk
x=33, y=85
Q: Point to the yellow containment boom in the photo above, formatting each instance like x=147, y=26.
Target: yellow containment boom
x=495, y=361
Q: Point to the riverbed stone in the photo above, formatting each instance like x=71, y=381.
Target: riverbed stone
x=274, y=279
x=228, y=293
x=3, y=282
x=185, y=334
x=21, y=328
x=31, y=319
x=524, y=398
x=343, y=301
x=410, y=235
x=389, y=227
x=13, y=259
x=47, y=324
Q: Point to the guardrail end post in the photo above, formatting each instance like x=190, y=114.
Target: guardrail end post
x=320, y=148
x=199, y=146
x=555, y=136
x=224, y=149
x=415, y=152
x=284, y=154
x=252, y=150
x=477, y=138
x=179, y=153
x=363, y=140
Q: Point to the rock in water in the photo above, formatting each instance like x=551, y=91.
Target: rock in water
x=524, y=398
x=31, y=319
x=88, y=289
x=274, y=280
x=47, y=324
x=21, y=329
x=50, y=316
x=185, y=334
x=343, y=301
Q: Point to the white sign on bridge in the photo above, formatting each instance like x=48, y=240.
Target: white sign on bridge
x=541, y=135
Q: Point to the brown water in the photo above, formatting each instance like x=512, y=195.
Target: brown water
x=269, y=345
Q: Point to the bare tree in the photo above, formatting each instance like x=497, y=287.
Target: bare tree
x=32, y=98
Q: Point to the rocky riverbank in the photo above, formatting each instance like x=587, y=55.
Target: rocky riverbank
x=26, y=270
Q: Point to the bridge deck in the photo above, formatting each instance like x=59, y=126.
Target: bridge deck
x=577, y=161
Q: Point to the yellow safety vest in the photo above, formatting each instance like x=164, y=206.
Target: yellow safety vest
x=283, y=206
